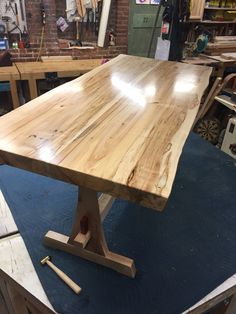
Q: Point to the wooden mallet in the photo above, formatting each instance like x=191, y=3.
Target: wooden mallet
x=63, y=276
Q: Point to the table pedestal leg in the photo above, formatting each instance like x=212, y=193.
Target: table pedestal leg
x=87, y=238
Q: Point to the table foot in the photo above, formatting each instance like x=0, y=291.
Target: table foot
x=87, y=238
x=111, y=260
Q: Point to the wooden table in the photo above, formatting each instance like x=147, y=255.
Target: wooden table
x=11, y=74
x=119, y=130
x=33, y=71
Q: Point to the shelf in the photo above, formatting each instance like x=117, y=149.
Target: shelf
x=218, y=22
x=220, y=8
x=226, y=101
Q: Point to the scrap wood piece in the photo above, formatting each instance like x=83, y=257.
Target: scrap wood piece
x=229, y=56
x=221, y=45
x=224, y=38
x=15, y=261
x=226, y=290
x=104, y=22
x=7, y=223
x=17, y=299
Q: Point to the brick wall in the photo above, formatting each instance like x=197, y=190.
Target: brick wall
x=34, y=22
x=55, y=8
x=122, y=14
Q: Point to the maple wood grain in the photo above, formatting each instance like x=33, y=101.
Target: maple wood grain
x=118, y=129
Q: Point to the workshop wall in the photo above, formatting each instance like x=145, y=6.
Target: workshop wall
x=34, y=22
x=70, y=32
x=56, y=8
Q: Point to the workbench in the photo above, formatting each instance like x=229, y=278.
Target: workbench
x=201, y=60
x=33, y=71
x=11, y=74
x=223, y=64
x=218, y=62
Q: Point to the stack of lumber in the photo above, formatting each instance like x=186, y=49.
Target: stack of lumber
x=229, y=56
x=221, y=39
x=221, y=44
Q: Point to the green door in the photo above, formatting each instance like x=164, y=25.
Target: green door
x=141, y=21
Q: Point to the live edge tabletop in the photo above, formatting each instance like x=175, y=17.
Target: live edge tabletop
x=118, y=129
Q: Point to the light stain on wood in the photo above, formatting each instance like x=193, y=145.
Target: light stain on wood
x=118, y=129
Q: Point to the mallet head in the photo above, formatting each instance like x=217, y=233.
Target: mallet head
x=45, y=259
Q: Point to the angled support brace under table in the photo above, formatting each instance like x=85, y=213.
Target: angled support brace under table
x=87, y=238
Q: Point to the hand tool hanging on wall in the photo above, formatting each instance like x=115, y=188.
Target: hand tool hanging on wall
x=82, y=12
x=8, y=7
x=16, y=14
x=61, y=274
x=43, y=15
x=6, y=19
x=94, y=4
x=2, y=29
x=98, y=13
x=90, y=18
x=16, y=27
x=22, y=11
x=78, y=39
x=14, y=10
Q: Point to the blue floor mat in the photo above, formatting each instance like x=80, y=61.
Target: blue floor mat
x=181, y=254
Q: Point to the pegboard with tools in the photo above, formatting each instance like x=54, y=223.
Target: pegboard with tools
x=13, y=16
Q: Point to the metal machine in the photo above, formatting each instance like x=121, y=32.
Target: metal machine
x=229, y=142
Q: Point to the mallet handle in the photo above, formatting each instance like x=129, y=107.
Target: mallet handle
x=65, y=278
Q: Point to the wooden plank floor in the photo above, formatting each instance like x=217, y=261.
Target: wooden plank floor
x=7, y=223
x=14, y=257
